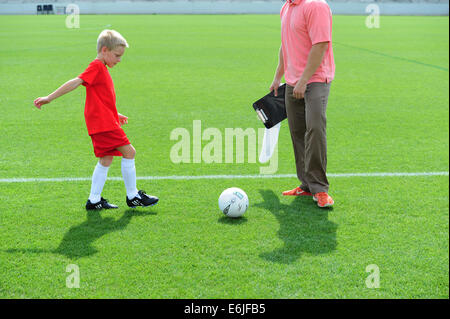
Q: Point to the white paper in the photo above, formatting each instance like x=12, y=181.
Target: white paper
x=269, y=142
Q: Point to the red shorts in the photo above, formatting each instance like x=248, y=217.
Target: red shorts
x=106, y=143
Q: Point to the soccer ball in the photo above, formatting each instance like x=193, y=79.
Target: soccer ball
x=233, y=202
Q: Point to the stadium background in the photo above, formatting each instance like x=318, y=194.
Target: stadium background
x=387, y=7
x=388, y=160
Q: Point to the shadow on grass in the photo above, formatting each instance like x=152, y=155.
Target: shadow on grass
x=232, y=221
x=304, y=228
x=77, y=242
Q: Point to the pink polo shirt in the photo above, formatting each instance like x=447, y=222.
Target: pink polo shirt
x=303, y=24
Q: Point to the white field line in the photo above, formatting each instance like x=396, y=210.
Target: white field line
x=179, y=177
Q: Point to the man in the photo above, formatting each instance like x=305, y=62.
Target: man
x=306, y=60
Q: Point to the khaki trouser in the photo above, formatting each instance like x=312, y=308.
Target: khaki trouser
x=308, y=126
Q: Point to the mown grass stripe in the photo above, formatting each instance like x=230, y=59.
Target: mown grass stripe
x=180, y=177
x=394, y=57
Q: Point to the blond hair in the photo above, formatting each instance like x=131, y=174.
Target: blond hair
x=110, y=39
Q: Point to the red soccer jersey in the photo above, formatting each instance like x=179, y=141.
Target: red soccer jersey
x=100, y=111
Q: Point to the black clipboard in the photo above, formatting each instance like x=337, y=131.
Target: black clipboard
x=271, y=109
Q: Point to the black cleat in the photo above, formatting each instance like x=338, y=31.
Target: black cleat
x=102, y=204
x=145, y=200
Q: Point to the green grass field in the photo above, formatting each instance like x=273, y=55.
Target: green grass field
x=388, y=112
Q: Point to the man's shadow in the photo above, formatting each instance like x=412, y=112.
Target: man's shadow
x=304, y=228
x=78, y=241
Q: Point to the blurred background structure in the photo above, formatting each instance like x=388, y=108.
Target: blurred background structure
x=351, y=7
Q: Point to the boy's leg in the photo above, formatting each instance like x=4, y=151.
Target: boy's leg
x=134, y=197
x=99, y=178
x=129, y=169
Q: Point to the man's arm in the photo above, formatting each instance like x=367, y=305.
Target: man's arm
x=278, y=73
x=315, y=58
x=63, y=89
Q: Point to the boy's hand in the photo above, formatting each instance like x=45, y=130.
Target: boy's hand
x=41, y=101
x=123, y=119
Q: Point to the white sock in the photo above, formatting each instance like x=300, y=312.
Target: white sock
x=129, y=177
x=98, y=181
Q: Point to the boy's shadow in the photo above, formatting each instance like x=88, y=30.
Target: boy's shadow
x=304, y=227
x=77, y=242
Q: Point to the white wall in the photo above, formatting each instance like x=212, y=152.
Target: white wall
x=222, y=7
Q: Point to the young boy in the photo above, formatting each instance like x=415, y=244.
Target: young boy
x=104, y=122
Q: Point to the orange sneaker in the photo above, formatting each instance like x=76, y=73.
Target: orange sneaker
x=323, y=199
x=296, y=192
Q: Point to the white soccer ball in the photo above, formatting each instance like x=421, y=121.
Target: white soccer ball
x=233, y=202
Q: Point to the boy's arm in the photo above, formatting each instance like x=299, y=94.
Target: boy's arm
x=63, y=89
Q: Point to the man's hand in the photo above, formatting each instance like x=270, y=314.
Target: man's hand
x=299, y=90
x=274, y=86
x=123, y=119
x=41, y=101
